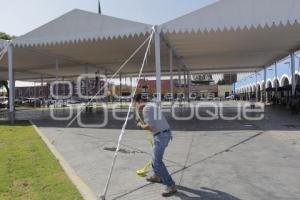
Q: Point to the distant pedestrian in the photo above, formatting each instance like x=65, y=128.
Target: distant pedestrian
x=252, y=101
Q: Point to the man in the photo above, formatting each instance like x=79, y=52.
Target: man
x=155, y=121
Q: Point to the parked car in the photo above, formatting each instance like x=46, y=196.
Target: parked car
x=18, y=101
x=217, y=99
x=231, y=97
x=73, y=101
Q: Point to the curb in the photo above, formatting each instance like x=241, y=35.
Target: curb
x=82, y=187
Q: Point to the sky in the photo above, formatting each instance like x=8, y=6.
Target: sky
x=19, y=17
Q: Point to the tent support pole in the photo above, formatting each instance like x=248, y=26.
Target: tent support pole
x=86, y=71
x=11, y=84
x=64, y=91
x=131, y=83
x=179, y=78
x=293, y=74
x=56, y=79
x=106, y=79
x=171, y=75
x=276, y=86
x=185, y=83
x=42, y=89
x=158, y=65
x=120, y=92
x=256, y=88
x=189, y=84
x=265, y=85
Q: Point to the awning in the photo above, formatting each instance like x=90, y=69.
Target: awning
x=80, y=26
x=235, y=34
x=79, y=40
x=228, y=36
x=3, y=43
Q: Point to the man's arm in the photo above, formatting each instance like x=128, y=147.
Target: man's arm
x=143, y=126
x=147, y=113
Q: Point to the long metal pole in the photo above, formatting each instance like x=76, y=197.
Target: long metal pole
x=157, y=65
x=106, y=79
x=171, y=75
x=179, y=77
x=185, y=84
x=11, y=83
x=256, y=91
x=189, y=84
x=293, y=74
x=265, y=86
x=276, y=85
x=42, y=89
x=56, y=79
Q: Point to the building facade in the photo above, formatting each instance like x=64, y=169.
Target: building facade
x=272, y=84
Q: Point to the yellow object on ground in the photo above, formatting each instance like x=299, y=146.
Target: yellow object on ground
x=143, y=171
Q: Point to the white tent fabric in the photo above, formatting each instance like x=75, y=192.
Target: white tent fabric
x=78, y=25
x=227, y=36
x=235, y=34
x=236, y=14
x=3, y=43
x=79, y=40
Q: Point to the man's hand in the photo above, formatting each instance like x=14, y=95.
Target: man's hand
x=139, y=124
x=143, y=126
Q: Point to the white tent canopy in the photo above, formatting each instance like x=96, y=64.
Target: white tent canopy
x=3, y=43
x=227, y=36
x=77, y=26
x=235, y=34
x=81, y=42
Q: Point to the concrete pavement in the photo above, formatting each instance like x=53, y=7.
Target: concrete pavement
x=208, y=160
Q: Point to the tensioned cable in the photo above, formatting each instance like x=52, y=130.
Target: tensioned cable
x=113, y=76
x=2, y=52
x=105, y=85
x=103, y=196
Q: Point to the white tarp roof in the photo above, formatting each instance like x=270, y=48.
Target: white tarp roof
x=77, y=39
x=236, y=34
x=78, y=25
x=2, y=43
x=227, y=36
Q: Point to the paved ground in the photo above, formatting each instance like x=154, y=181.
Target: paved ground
x=209, y=160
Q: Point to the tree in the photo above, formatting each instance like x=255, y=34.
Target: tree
x=5, y=36
x=222, y=82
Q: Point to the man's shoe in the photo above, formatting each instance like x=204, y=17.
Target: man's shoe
x=169, y=191
x=154, y=179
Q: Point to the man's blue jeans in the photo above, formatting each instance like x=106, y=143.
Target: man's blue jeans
x=161, y=141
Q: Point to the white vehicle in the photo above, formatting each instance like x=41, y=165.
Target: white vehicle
x=210, y=97
x=231, y=97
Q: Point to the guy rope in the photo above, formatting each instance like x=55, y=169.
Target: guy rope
x=103, y=196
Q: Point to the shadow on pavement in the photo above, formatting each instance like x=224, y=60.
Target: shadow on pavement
x=202, y=194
